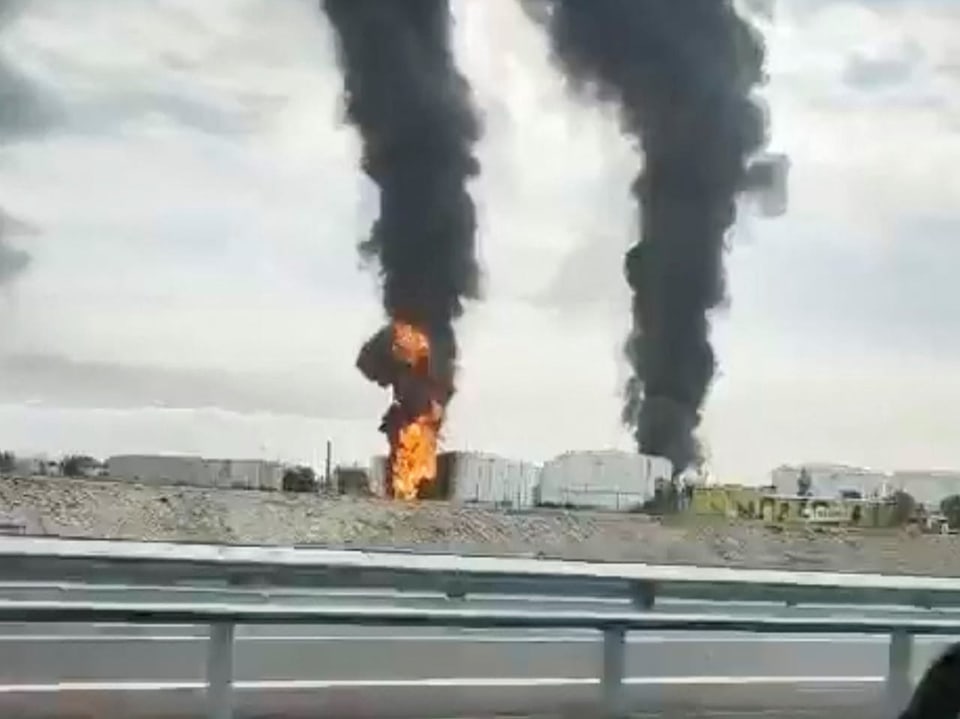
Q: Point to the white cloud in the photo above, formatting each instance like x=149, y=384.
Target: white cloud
x=200, y=206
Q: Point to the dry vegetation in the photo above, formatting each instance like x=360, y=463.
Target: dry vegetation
x=111, y=509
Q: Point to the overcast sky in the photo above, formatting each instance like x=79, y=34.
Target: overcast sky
x=194, y=286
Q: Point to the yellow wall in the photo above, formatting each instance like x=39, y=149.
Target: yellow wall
x=741, y=502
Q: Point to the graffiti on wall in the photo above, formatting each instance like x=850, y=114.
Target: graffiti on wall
x=754, y=503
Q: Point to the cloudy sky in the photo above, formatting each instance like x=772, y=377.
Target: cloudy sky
x=194, y=284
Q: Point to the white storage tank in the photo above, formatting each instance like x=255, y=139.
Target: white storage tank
x=159, y=469
x=378, y=475
x=197, y=471
x=605, y=479
x=256, y=474
x=271, y=477
x=475, y=477
x=251, y=474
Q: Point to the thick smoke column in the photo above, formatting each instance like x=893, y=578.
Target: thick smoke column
x=413, y=110
x=414, y=113
x=681, y=72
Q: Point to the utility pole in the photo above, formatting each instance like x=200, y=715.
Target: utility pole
x=326, y=470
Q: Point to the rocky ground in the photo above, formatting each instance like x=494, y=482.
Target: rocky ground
x=118, y=510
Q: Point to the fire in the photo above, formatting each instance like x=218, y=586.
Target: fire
x=418, y=415
x=410, y=345
x=413, y=454
x=400, y=356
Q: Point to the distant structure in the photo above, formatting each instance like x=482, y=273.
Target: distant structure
x=927, y=487
x=482, y=478
x=377, y=476
x=604, y=479
x=37, y=465
x=349, y=480
x=197, y=471
x=831, y=480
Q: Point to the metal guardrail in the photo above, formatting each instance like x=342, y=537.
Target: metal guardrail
x=41, y=559
x=223, y=618
x=139, y=564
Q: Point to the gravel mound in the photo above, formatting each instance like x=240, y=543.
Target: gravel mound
x=120, y=510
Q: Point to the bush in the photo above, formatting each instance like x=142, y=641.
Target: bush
x=78, y=465
x=8, y=463
x=950, y=507
x=299, y=479
x=904, y=507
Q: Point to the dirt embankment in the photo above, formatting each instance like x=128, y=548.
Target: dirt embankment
x=119, y=510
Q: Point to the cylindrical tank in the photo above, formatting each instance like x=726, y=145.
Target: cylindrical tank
x=605, y=479
x=379, y=486
x=481, y=478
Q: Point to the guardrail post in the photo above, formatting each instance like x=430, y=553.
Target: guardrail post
x=611, y=681
x=220, y=671
x=899, y=682
x=643, y=595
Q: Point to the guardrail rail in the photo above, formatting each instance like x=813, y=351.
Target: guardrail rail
x=455, y=575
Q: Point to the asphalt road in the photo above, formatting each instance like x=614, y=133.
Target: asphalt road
x=439, y=673
x=296, y=671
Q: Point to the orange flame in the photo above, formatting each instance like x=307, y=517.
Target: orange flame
x=410, y=345
x=413, y=454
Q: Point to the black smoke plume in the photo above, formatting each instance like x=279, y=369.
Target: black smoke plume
x=414, y=113
x=681, y=73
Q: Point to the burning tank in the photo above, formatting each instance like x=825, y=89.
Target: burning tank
x=399, y=356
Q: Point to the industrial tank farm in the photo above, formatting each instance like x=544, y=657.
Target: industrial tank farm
x=604, y=479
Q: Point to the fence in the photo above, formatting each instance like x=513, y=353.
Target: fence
x=198, y=565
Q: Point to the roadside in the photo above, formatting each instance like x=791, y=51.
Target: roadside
x=119, y=510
